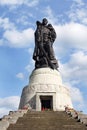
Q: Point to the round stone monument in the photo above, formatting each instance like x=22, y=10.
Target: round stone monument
x=45, y=91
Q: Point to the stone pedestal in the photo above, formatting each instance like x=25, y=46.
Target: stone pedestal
x=45, y=85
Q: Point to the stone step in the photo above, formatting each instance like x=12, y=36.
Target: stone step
x=47, y=121
x=48, y=128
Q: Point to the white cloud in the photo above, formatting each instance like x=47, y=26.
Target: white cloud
x=20, y=75
x=19, y=2
x=76, y=94
x=77, y=12
x=33, y=3
x=21, y=39
x=79, y=59
x=24, y=19
x=10, y=2
x=13, y=37
x=79, y=15
x=48, y=12
x=75, y=70
x=4, y=111
x=77, y=97
x=6, y=24
x=71, y=35
x=8, y=104
x=78, y=1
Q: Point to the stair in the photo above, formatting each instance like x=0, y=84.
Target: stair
x=47, y=120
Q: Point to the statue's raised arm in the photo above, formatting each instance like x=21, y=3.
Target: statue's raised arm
x=45, y=36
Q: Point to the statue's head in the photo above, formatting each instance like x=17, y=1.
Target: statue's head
x=44, y=21
x=38, y=23
x=50, y=26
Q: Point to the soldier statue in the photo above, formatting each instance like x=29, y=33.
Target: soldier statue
x=45, y=36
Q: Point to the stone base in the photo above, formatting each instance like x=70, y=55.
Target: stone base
x=45, y=84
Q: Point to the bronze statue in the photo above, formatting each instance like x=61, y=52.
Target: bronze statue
x=45, y=36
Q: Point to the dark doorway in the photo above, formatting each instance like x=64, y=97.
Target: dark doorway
x=46, y=102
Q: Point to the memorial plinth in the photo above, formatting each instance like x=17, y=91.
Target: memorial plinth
x=45, y=91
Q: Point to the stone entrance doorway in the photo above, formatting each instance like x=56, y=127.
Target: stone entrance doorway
x=46, y=102
x=46, y=98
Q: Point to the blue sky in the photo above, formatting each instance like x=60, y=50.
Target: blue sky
x=17, y=26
